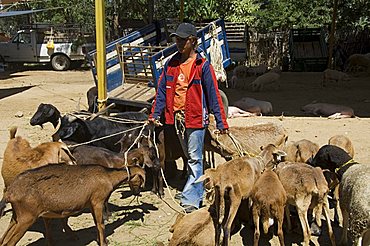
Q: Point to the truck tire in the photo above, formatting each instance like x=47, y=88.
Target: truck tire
x=60, y=62
x=225, y=101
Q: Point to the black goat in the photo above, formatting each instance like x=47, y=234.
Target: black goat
x=78, y=130
x=332, y=158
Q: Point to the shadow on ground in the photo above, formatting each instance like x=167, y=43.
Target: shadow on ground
x=12, y=91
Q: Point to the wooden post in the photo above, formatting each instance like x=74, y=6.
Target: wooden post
x=332, y=33
x=101, y=53
x=181, y=10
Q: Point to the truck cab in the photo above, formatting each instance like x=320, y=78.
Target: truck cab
x=41, y=44
x=21, y=48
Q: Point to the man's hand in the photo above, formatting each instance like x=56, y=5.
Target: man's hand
x=155, y=122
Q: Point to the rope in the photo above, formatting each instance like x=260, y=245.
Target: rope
x=110, y=118
x=135, y=142
x=215, y=52
x=105, y=137
x=165, y=181
x=238, y=146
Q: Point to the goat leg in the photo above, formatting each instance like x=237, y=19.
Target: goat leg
x=155, y=178
x=256, y=221
x=328, y=221
x=344, y=238
x=18, y=230
x=9, y=230
x=160, y=183
x=48, y=234
x=97, y=211
x=234, y=205
x=287, y=217
x=302, y=213
x=280, y=220
x=67, y=229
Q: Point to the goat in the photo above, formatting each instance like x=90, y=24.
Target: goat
x=234, y=112
x=226, y=184
x=269, y=199
x=270, y=78
x=169, y=150
x=306, y=188
x=85, y=154
x=19, y=156
x=249, y=137
x=332, y=111
x=198, y=227
x=239, y=73
x=334, y=75
x=342, y=142
x=78, y=130
x=59, y=191
x=45, y=113
x=254, y=106
x=92, y=96
x=195, y=229
x=354, y=191
x=358, y=62
x=301, y=151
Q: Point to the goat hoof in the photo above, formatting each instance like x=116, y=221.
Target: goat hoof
x=315, y=229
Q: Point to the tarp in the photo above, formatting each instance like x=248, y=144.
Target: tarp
x=20, y=12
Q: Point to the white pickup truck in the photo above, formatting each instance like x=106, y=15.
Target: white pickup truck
x=40, y=45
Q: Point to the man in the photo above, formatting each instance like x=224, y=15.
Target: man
x=187, y=92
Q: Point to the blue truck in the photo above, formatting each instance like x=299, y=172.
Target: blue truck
x=134, y=62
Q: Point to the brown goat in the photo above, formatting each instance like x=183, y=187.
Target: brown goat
x=59, y=191
x=198, y=227
x=306, y=188
x=301, y=151
x=251, y=138
x=343, y=142
x=86, y=154
x=269, y=199
x=234, y=180
x=19, y=156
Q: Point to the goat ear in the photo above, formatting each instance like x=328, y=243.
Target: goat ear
x=280, y=153
x=202, y=178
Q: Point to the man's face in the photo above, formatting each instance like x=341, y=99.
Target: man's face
x=183, y=44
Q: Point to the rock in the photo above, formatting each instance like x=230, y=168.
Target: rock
x=19, y=114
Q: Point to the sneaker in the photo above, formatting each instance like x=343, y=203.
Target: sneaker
x=189, y=208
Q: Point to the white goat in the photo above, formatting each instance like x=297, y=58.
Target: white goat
x=334, y=75
x=265, y=79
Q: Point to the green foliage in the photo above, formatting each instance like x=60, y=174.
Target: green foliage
x=288, y=13
x=354, y=13
x=242, y=11
x=262, y=14
x=71, y=11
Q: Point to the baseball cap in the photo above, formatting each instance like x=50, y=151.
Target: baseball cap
x=184, y=30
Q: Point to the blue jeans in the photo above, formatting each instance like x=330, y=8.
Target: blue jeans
x=192, y=193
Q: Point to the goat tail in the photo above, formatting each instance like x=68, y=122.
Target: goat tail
x=2, y=206
x=12, y=132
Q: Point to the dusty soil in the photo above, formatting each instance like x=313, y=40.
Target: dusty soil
x=146, y=222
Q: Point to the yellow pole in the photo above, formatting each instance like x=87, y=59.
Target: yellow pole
x=100, y=53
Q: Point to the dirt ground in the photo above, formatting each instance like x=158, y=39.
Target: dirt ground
x=146, y=221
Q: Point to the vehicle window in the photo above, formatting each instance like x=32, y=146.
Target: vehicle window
x=24, y=38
